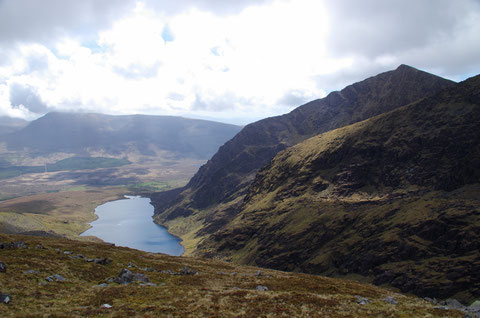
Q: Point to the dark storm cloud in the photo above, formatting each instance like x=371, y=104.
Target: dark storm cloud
x=43, y=21
x=374, y=27
x=222, y=7
x=28, y=97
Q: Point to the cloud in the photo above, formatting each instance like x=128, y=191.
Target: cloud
x=44, y=21
x=26, y=97
x=219, y=58
x=435, y=37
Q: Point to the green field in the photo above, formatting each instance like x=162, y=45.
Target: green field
x=74, y=163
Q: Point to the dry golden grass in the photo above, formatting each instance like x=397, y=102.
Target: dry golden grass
x=219, y=289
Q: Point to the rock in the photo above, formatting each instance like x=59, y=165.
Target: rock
x=110, y=280
x=390, y=300
x=362, y=300
x=19, y=244
x=124, y=277
x=5, y=298
x=148, y=284
x=107, y=306
x=430, y=300
x=454, y=304
x=89, y=260
x=261, y=288
x=67, y=252
x=130, y=265
x=31, y=271
x=187, y=271
x=100, y=285
x=55, y=278
x=259, y=273
x=102, y=261
x=3, y=267
x=474, y=306
x=39, y=247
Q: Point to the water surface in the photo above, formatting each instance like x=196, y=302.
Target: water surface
x=128, y=222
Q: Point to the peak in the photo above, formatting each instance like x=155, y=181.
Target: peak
x=405, y=68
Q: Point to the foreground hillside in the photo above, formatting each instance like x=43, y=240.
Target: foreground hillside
x=83, y=280
x=395, y=198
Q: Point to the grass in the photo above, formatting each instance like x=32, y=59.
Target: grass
x=68, y=164
x=64, y=213
x=157, y=186
x=219, y=289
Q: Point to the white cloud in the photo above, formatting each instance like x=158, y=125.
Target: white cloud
x=220, y=59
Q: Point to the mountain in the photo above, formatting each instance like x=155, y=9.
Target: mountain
x=80, y=133
x=395, y=198
x=214, y=195
x=84, y=281
x=10, y=124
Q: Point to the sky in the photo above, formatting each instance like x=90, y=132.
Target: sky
x=234, y=61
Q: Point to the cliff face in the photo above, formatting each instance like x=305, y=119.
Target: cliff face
x=394, y=198
x=212, y=196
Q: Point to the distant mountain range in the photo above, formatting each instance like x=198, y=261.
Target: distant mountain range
x=82, y=133
x=387, y=187
x=9, y=124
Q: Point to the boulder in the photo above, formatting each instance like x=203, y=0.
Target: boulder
x=3, y=267
x=187, y=271
x=261, y=288
x=55, y=278
x=390, y=300
x=124, y=277
x=5, y=298
x=102, y=261
x=362, y=300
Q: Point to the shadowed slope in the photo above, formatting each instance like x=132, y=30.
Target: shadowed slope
x=212, y=196
x=395, y=198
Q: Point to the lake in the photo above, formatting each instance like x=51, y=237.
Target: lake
x=128, y=222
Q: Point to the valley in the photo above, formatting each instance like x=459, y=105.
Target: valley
x=377, y=183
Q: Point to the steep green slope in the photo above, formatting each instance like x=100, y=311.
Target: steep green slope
x=214, y=194
x=395, y=198
x=83, y=285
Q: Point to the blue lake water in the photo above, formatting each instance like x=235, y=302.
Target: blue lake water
x=129, y=223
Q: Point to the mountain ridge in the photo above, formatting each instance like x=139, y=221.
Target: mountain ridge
x=214, y=194
x=79, y=132
x=393, y=198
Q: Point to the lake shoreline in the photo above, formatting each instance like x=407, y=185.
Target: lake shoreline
x=129, y=222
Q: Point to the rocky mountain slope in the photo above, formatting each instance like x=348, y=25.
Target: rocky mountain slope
x=82, y=134
x=43, y=276
x=214, y=194
x=395, y=198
